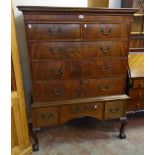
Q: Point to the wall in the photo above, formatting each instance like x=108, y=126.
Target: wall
x=114, y=3
x=98, y=3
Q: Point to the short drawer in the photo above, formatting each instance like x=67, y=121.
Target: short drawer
x=55, y=50
x=53, y=31
x=135, y=104
x=45, y=116
x=138, y=83
x=136, y=93
x=105, y=49
x=114, y=109
x=71, y=89
x=101, y=31
x=69, y=112
x=76, y=69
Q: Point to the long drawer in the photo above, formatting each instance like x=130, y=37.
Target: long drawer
x=76, y=18
x=75, y=50
x=53, y=31
x=70, y=89
x=102, y=31
x=78, y=69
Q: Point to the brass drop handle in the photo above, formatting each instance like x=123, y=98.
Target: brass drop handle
x=58, y=91
x=105, y=68
x=138, y=106
x=57, y=72
x=113, y=110
x=52, y=50
x=54, y=31
x=105, y=49
x=103, y=88
x=105, y=30
x=50, y=116
x=140, y=94
x=43, y=116
x=141, y=85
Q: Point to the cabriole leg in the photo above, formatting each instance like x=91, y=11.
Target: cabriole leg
x=35, y=138
x=124, y=123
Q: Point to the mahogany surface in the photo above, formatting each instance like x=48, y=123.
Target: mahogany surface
x=78, y=59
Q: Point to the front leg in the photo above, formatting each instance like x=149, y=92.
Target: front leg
x=35, y=138
x=124, y=122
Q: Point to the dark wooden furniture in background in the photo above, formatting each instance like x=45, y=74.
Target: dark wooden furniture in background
x=137, y=30
x=136, y=91
x=78, y=61
x=136, y=56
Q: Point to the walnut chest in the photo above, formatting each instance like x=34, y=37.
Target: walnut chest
x=78, y=60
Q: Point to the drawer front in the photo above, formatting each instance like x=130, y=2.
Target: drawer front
x=53, y=31
x=136, y=94
x=56, y=50
x=135, y=104
x=105, y=49
x=114, y=109
x=75, y=50
x=69, y=112
x=138, y=83
x=79, y=17
x=101, y=31
x=45, y=116
x=79, y=69
x=71, y=89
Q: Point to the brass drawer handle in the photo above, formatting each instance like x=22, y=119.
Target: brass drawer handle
x=50, y=116
x=138, y=106
x=57, y=72
x=105, y=49
x=105, y=30
x=58, y=91
x=102, y=88
x=52, y=50
x=113, y=110
x=43, y=116
x=140, y=95
x=106, y=68
x=54, y=31
x=141, y=85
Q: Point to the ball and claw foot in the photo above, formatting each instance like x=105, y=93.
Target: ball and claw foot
x=36, y=142
x=35, y=147
x=124, y=122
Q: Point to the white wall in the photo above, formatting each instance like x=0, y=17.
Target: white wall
x=114, y=3
x=21, y=34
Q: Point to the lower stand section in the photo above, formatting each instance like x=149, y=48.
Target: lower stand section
x=124, y=123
